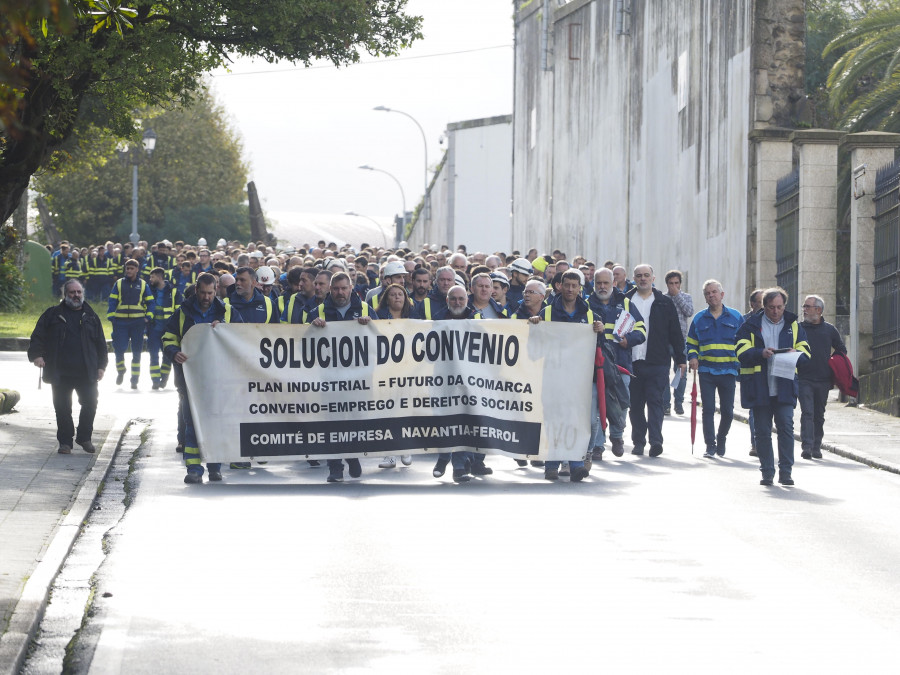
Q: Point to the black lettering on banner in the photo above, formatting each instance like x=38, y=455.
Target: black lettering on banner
x=389, y=435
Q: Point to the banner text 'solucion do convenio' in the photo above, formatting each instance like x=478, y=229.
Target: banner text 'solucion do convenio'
x=390, y=387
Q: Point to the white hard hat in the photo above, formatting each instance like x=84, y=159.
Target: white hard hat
x=256, y=254
x=201, y=242
x=522, y=265
x=265, y=276
x=393, y=268
x=502, y=278
x=221, y=243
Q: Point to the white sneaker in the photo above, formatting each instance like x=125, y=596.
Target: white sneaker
x=388, y=463
x=406, y=459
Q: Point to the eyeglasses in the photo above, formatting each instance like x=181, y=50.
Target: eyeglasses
x=810, y=307
x=530, y=292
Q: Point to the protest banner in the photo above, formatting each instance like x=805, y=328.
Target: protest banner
x=270, y=391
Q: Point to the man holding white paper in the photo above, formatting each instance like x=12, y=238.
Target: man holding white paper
x=762, y=339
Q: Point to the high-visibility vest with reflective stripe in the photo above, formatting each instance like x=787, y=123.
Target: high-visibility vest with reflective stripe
x=749, y=343
x=129, y=306
x=269, y=307
x=365, y=311
x=548, y=314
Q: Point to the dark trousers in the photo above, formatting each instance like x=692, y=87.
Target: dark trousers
x=648, y=388
x=86, y=388
x=813, y=397
x=783, y=416
x=724, y=385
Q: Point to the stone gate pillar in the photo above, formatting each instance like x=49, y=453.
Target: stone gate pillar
x=818, y=214
x=869, y=151
x=773, y=160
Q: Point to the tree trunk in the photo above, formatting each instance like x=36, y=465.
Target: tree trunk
x=257, y=220
x=49, y=226
x=20, y=222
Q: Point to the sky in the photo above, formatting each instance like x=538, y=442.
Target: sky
x=306, y=130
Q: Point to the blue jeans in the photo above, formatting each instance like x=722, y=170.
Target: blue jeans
x=783, y=415
x=616, y=423
x=647, y=388
x=679, y=390
x=724, y=385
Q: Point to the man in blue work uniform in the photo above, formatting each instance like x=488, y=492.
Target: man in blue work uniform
x=131, y=307
x=202, y=307
x=249, y=305
x=711, y=344
x=570, y=307
x=436, y=301
x=342, y=304
x=769, y=396
x=166, y=299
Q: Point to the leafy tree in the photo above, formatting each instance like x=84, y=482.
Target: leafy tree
x=825, y=20
x=196, y=168
x=864, y=83
x=113, y=58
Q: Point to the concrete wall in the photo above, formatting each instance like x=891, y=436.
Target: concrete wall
x=471, y=195
x=636, y=147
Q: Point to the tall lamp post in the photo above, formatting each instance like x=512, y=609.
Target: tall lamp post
x=382, y=108
x=135, y=155
x=402, y=225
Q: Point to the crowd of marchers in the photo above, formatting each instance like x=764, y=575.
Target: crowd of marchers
x=647, y=337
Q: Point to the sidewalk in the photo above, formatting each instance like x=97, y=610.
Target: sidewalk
x=857, y=433
x=44, y=497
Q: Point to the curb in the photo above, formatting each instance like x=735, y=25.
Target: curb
x=29, y=611
x=841, y=451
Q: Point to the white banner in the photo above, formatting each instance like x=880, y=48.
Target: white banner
x=390, y=387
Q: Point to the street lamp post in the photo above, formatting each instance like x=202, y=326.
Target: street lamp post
x=135, y=154
x=400, y=228
x=382, y=108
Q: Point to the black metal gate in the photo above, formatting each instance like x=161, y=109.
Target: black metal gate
x=886, y=309
x=787, y=235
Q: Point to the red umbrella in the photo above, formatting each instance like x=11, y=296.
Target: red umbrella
x=601, y=386
x=693, y=412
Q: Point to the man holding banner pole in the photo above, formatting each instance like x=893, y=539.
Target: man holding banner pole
x=342, y=304
x=202, y=307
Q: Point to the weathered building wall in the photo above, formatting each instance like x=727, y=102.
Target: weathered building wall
x=641, y=150
x=471, y=196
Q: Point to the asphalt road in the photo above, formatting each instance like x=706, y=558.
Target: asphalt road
x=675, y=563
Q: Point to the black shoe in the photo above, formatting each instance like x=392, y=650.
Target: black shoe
x=720, y=447
x=588, y=464
x=522, y=462
x=354, y=468
x=215, y=476
x=461, y=476
x=120, y=378
x=785, y=480
x=618, y=446
x=313, y=462
x=336, y=474
x=579, y=473
x=655, y=450
x=753, y=452
x=87, y=446
x=64, y=449
x=679, y=409
x=637, y=450
x=766, y=481
x=668, y=410
x=179, y=448
x=806, y=454
x=537, y=463
x=134, y=385
x=440, y=467
x=155, y=386
x=551, y=474
x=597, y=453
x=816, y=454
x=479, y=469
x=193, y=478
x=163, y=381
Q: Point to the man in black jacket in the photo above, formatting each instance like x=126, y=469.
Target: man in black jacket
x=651, y=360
x=68, y=343
x=815, y=375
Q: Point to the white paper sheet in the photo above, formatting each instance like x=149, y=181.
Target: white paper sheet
x=784, y=365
